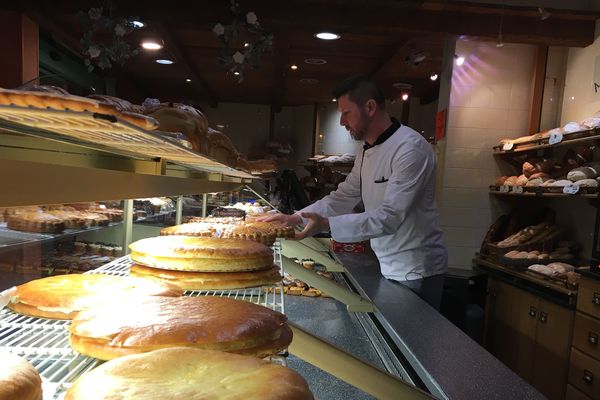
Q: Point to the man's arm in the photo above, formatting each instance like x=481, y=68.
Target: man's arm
x=411, y=172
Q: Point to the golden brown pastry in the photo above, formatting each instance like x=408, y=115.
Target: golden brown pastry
x=152, y=323
x=221, y=148
x=35, y=222
x=209, y=280
x=188, y=253
x=256, y=166
x=63, y=296
x=201, y=229
x=182, y=373
x=19, y=380
x=175, y=117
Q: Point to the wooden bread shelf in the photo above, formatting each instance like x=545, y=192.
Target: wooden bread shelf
x=569, y=139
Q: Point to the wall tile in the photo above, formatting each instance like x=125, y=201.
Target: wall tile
x=461, y=256
x=464, y=197
x=463, y=237
x=461, y=217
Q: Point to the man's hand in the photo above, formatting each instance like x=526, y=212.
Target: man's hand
x=288, y=220
x=316, y=224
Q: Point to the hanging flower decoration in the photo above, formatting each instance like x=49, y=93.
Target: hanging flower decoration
x=114, y=49
x=238, y=56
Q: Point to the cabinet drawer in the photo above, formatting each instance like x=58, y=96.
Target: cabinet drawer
x=588, y=297
x=584, y=374
x=575, y=394
x=586, y=335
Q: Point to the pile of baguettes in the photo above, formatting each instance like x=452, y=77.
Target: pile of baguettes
x=159, y=342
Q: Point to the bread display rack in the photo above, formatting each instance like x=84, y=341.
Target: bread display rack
x=108, y=133
x=568, y=139
x=45, y=342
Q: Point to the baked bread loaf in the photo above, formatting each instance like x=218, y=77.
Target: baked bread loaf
x=152, y=323
x=19, y=380
x=221, y=148
x=182, y=373
x=35, y=222
x=176, y=117
x=188, y=253
x=209, y=280
x=63, y=296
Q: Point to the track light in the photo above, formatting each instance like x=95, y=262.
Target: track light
x=404, y=96
x=459, y=60
x=433, y=76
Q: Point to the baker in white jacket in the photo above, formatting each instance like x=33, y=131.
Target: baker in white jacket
x=394, y=176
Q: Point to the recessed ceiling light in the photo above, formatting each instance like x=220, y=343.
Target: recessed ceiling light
x=327, y=36
x=404, y=96
x=315, y=61
x=188, y=80
x=220, y=126
x=151, y=45
x=334, y=99
x=165, y=61
x=246, y=44
x=294, y=67
x=309, y=81
x=236, y=73
x=433, y=76
x=402, y=85
x=138, y=24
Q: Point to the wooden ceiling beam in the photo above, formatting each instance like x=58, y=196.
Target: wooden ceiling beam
x=181, y=56
x=397, y=55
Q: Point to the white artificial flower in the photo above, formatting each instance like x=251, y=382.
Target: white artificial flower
x=219, y=29
x=94, y=51
x=120, y=30
x=251, y=18
x=95, y=13
x=238, y=57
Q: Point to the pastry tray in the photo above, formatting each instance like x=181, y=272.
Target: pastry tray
x=45, y=342
x=106, y=133
x=9, y=237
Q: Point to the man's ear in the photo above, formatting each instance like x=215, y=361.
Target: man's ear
x=371, y=106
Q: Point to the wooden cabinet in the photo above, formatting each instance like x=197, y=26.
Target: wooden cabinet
x=531, y=335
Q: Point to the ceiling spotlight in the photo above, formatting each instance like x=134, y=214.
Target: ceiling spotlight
x=236, y=73
x=327, y=36
x=246, y=44
x=165, y=61
x=294, y=67
x=188, y=80
x=459, y=60
x=334, y=99
x=315, y=61
x=404, y=96
x=433, y=76
x=544, y=14
x=138, y=24
x=151, y=45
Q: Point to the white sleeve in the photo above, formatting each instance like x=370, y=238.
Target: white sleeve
x=343, y=199
x=412, y=170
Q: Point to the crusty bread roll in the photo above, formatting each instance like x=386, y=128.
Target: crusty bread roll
x=209, y=280
x=63, y=296
x=19, y=380
x=176, y=117
x=152, y=323
x=182, y=373
x=221, y=148
x=200, y=254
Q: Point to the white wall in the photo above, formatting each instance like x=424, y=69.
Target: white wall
x=554, y=85
x=489, y=100
x=294, y=125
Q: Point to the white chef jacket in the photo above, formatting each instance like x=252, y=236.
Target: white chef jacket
x=396, y=182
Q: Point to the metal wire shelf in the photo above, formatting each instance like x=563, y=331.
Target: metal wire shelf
x=45, y=342
x=107, y=133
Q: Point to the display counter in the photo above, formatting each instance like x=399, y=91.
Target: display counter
x=450, y=364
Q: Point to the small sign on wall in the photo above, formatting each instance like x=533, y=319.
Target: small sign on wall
x=440, y=124
x=596, y=83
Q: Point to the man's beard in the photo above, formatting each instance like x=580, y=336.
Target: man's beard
x=360, y=133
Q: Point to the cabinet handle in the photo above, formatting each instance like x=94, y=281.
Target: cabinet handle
x=596, y=299
x=532, y=312
x=593, y=338
x=543, y=317
x=588, y=377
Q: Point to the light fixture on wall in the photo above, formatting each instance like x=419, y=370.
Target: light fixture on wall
x=459, y=60
x=544, y=14
x=433, y=76
x=500, y=42
x=404, y=96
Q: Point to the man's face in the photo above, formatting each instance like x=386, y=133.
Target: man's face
x=353, y=117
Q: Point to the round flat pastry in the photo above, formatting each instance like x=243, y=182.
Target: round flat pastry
x=18, y=379
x=152, y=323
x=188, y=253
x=188, y=280
x=63, y=296
x=202, y=229
x=189, y=374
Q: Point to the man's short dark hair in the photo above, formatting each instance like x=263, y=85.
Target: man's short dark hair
x=360, y=89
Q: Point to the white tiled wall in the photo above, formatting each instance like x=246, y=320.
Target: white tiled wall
x=489, y=100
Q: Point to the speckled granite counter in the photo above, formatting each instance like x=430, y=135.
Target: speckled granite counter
x=450, y=363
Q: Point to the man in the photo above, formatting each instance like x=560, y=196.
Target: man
x=394, y=176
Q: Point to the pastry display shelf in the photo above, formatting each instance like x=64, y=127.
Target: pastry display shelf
x=569, y=139
x=107, y=133
x=544, y=194
x=45, y=342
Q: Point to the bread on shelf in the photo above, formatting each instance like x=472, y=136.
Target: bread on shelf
x=19, y=380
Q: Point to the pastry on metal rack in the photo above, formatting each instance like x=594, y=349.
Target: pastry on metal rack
x=18, y=379
x=151, y=323
x=190, y=374
x=63, y=296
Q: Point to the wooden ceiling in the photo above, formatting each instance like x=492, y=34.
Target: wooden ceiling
x=377, y=36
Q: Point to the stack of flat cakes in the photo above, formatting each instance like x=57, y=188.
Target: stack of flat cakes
x=203, y=263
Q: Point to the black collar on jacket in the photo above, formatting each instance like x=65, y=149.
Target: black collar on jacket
x=385, y=135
